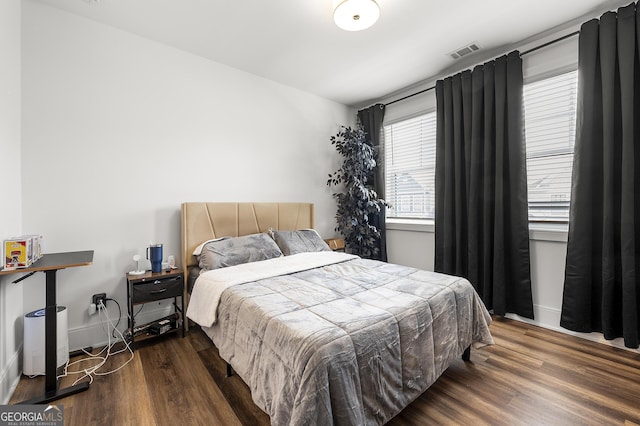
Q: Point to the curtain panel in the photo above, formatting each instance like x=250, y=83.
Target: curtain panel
x=481, y=220
x=601, y=287
x=371, y=119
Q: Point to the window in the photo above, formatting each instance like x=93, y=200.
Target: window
x=410, y=164
x=550, y=122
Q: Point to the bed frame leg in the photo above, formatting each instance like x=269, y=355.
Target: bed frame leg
x=229, y=370
x=466, y=355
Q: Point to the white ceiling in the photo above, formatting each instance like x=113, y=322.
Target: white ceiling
x=295, y=42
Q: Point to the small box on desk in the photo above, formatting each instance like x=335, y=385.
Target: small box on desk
x=21, y=252
x=37, y=246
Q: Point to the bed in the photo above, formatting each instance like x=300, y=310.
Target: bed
x=320, y=337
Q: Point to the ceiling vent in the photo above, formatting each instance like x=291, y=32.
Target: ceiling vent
x=463, y=51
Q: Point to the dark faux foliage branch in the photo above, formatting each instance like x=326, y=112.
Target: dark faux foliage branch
x=359, y=203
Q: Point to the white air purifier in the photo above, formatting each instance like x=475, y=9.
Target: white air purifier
x=34, y=337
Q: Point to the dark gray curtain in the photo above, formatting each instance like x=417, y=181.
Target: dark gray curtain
x=481, y=223
x=601, y=286
x=371, y=119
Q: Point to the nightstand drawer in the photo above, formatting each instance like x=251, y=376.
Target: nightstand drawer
x=158, y=289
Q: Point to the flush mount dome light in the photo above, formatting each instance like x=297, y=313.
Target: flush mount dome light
x=356, y=15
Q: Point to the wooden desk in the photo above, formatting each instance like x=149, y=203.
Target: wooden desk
x=50, y=264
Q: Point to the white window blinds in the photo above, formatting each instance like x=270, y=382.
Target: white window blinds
x=550, y=121
x=410, y=161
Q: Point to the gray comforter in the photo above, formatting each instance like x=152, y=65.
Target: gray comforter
x=351, y=343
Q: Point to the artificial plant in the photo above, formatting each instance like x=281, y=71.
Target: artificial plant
x=359, y=203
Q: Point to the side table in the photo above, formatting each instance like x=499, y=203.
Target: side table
x=151, y=287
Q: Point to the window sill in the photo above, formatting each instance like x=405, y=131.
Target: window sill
x=413, y=225
x=554, y=232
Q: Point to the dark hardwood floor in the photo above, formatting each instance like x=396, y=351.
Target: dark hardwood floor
x=531, y=376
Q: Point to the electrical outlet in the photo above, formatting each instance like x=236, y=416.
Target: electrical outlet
x=100, y=297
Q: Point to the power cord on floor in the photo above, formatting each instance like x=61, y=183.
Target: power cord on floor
x=101, y=359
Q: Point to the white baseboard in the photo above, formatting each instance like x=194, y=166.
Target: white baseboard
x=549, y=318
x=10, y=377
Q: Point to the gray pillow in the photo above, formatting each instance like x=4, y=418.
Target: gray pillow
x=234, y=251
x=303, y=241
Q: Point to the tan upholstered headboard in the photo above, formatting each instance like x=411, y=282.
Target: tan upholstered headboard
x=204, y=221
x=200, y=222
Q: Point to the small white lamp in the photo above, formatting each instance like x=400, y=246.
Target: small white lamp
x=138, y=271
x=356, y=15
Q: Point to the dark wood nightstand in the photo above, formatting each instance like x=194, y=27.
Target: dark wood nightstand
x=151, y=287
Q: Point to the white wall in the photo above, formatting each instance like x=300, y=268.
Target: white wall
x=10, y=214
x=118, y=131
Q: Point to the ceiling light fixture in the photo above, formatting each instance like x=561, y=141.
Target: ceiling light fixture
x=356, y=15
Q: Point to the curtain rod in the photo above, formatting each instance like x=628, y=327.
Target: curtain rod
x=564, y=37
x=533, y=49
